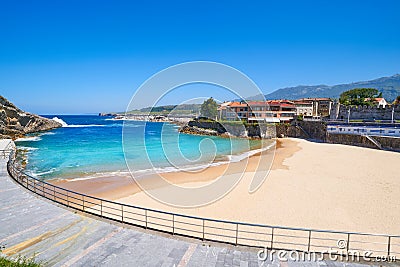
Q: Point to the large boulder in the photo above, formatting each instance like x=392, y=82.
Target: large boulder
x=15, y=123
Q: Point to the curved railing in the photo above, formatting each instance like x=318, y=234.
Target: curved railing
x=236, y=233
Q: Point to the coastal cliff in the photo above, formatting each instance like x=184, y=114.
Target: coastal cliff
x=15, y=123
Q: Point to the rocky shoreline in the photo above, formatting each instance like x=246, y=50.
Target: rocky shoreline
x=298, y=129
x=181, y=121
x=232, y=132
x=15, y=123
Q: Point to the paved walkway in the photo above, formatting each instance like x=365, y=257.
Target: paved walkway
x=60, y=237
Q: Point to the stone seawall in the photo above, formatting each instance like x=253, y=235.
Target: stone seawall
x=300, y=129
x=314, y=130
x=341, y=112
x=349, y=139
x=387, y=143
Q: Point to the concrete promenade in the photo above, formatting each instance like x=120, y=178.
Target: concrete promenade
x=60, y=237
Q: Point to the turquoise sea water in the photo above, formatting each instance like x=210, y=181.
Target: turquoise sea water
x=91, y=145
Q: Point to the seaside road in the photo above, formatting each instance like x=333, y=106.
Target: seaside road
x=30, y=225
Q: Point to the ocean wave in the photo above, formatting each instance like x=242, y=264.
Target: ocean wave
x=99, y=175
x=28, y=139
x=240, y=157
x=66, y=125
x=37, y=174
x=83, y=125
x=190, y=168
x=63, y=123
x=229, y=159
x=27, y=148
x=47, y=133
x=133, y=126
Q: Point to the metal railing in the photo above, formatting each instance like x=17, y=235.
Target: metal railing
x=4, y=154
x=236, y=233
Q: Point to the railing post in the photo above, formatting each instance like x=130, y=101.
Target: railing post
x=34, y=186
x=67, y=198
x=203, y=229
x=173, y=224
x=83, y=203
x=122, y=212
x=309, y=241
x=388, y=254
x=54, y=193
x=145, y=213
x=237, y=233
x=272, y=237
x=101, y=208
x=348, y=242
x=44, y=195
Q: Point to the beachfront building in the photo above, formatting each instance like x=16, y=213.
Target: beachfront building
x=304, y=109
x=321, y=106
x=260, y=111
x=223, y=109
x=233, y=111
x=251, y=111
x=380, y=102
x=284, y=110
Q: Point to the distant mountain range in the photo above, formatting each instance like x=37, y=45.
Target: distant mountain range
x=389, y=86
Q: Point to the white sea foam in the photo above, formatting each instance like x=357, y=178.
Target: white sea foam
x=63, y=123
x=47, y=133
x=100, y=175
x=144, y=172
x=237, y=158
x=28, y=139
x=84, y=125
x=37, y=174
x=66, y=125
x=133, y=126
x=27, y=148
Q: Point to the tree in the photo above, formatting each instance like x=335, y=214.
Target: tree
x=359, y=96
x=397, y=101
x=209, y=108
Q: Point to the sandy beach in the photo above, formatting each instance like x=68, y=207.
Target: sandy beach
x=311, y=185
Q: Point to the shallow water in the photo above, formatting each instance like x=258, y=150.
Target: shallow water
x=94, y=145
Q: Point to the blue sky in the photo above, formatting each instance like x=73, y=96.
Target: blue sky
x=90, y=56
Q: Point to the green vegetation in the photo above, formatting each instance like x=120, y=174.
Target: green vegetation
x=209, y=108
x=397, y=101
x=358, y=96
x=18, y=262
x=183, y=109
x=233, y=123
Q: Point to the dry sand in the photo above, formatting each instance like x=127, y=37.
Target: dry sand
x=311, y=185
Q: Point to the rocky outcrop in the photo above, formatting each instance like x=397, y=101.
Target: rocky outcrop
x=228, y=129
x=299, y=129
x=15, y=123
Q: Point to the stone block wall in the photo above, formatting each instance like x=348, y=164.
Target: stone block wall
x=341, y=112
x=388, y=143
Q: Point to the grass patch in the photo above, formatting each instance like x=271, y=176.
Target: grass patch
x=20, y=261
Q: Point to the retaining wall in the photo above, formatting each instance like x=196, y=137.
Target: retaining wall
x=388, y=143
x=341, y=112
